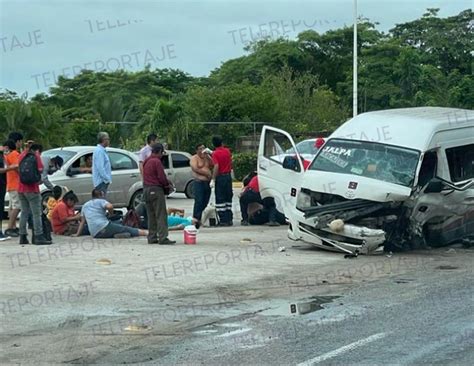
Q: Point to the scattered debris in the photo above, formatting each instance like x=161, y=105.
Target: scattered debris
x=245, y=240
x=389, y=255
x=137, y=328
x=104, y=261
x=451, y=250
x=281, y=249
x=352, y=255
x=446, y=267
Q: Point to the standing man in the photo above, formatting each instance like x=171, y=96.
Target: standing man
x=30, y=168
x=201, y=165
x=101, y=168
x=3, y=190
x=155, y=188
x=13, y=144
x=145, y=152
x=222, y=159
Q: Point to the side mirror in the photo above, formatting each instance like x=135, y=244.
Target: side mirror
x=69, y=172
x=434, y=186
x=291, y=163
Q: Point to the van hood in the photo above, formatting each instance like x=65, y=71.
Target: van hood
x=354, y=187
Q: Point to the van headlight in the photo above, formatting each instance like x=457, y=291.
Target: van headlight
x=303, y=200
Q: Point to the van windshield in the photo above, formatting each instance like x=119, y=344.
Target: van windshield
x=372, y=160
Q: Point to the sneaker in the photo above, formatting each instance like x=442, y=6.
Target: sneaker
x=272, y=223
x=122, y=235
x=3, y=237
x=244, y=223
x=41, y=240
x=153, y=241
x=14, y=233
x=167, y=242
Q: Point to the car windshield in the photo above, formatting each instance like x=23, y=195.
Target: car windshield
x=65, y=154
x=372, y=160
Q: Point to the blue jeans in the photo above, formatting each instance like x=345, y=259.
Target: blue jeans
x=202, y=194
x=112, y=228
x=103, y=187
x=31, y=205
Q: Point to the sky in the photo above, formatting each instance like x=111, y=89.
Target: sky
x=42, y=39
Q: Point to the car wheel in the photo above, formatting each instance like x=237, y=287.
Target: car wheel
x=45, y=197
x=189, y=191
x=137, y=198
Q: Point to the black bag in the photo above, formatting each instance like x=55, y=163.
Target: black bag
x=28, y=170
x=47, y=227
x=131, y=219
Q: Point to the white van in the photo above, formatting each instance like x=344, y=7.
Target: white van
x=400, y=178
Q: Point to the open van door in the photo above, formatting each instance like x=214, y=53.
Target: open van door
x=280, y=168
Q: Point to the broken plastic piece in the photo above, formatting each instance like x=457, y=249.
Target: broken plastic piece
x=104, y=261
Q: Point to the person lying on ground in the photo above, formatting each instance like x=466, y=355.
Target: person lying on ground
x=63, y=217
x=94, y=213
x=175, y=219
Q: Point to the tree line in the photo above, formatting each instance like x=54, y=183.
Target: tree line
x=303, y=85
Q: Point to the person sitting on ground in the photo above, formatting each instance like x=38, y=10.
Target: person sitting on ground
x=53, y=201
x=63, y=217
x=94, y=213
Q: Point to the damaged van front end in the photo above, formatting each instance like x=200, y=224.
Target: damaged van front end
x=367, y=190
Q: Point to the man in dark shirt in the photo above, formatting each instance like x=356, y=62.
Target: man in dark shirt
x=222, y=159
x=3, y=189
x=155, y=184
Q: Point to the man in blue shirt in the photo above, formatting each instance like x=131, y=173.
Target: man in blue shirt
x=94, y=214
x=101, y=168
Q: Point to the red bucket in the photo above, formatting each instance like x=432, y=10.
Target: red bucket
x=190, y=235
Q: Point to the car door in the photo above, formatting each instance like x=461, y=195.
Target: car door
x=181, y=170
x=275, y=180
x=445, y=206
x=165, y=160
x=75, y=180
x=125, y=173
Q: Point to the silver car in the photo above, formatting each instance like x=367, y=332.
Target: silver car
x=126, y=189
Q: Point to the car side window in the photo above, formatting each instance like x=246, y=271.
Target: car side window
x=180, y=161
x=461, y=162
x=165, y=160
x=120, y=161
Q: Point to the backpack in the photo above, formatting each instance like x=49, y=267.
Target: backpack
x=131, y=219
x=28, y=170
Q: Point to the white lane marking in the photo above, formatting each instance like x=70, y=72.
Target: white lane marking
x=343, y=349
x=234, y=332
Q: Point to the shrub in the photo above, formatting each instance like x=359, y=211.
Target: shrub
x=244, y=163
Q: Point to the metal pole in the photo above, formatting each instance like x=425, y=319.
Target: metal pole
x=254, y=135
x=354, y=86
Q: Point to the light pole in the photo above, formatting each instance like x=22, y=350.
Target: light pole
x=354, y=77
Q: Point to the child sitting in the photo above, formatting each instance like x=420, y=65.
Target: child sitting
x=53, y=201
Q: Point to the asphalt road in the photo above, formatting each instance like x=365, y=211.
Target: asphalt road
x=227, y=301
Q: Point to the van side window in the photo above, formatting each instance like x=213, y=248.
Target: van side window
x=277, y=146
x=461, y=162
x=428, y=168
